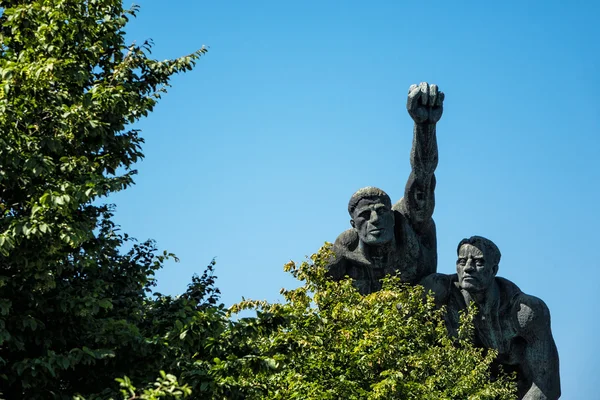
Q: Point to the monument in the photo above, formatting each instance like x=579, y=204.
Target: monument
x=508, y=320
x=399, y=239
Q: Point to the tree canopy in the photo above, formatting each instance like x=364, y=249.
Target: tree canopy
x=71, y=88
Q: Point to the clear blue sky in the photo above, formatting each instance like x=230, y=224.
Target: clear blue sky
x=252, y=157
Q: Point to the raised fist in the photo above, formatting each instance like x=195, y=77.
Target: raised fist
x=425, y=103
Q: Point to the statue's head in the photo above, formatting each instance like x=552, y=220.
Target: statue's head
x=372, y=216
x=477, y=263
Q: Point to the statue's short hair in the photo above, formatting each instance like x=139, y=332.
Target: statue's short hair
x=368, y=192
x=486, y=245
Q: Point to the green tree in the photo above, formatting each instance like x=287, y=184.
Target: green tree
x=72, y=304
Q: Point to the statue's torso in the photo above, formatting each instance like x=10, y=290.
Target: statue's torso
x=412, y=256
x=496, y=326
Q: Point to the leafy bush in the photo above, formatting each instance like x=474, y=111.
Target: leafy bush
x=326, y=341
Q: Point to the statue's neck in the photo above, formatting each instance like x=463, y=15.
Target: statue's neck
x=485, y=300
x=378, y=255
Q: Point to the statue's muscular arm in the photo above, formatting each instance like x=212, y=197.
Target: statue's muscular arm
x=540, y=357
x=425, y=106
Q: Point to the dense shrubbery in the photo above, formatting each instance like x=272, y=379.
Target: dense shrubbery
x=326, y=341
x=75, y=310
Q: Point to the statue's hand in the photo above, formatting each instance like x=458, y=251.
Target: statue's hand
x=425, y=103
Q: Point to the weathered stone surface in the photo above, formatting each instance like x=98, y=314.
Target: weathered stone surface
x=508, y=320
x=402, y=239
x=385, y=239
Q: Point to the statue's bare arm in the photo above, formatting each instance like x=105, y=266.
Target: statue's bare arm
x=425, y=106
x=540, y=358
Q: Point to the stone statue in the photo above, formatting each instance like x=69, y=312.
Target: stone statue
x=508, y=320
x=385, y=239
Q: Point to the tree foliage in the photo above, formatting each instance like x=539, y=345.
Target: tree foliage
x=71, y=302
x=326, y=341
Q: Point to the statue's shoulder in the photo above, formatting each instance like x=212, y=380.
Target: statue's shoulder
x=399, y=206
x=402, y=227
x=426, y=230
x=347, y=241
x=529, y=313
x=440, y=285
x=508, y=290
x=343, y=250
x=532, y=312
x=337, y=264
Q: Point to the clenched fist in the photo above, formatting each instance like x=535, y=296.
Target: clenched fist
x=425, y=103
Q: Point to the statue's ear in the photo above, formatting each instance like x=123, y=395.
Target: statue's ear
x=352, y=223
x=495, y=269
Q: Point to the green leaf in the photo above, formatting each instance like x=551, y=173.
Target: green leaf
x=105, y=303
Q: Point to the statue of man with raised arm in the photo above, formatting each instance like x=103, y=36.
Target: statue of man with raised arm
x=384, y=239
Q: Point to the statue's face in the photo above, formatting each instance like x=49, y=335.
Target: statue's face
x=374, y=221
x=475, y=274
